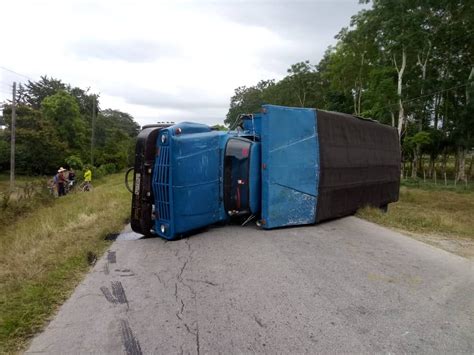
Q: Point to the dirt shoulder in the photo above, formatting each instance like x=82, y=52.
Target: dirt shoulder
x=432, y=214
x=460, y=246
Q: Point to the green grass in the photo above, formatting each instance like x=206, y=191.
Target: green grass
x=43, y=256
x=430, y=185
x=20, y=181
x=433, y=213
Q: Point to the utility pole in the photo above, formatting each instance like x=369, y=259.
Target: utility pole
x=12, y=149
x=93, y=129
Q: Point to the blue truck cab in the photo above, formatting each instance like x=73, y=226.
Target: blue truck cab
x=201, y=177
x=283, y=166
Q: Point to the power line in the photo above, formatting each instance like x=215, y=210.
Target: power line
x=427, y=95
x=93, y=130
x=14, y=72
x=436, y=92
x=6, y=84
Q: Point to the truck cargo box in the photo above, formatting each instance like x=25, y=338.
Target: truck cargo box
x=319, y=165
x=359, y=164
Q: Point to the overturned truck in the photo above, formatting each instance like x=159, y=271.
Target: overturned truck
x=282, y=167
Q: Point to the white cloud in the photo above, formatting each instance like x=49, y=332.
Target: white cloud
x=165, y=60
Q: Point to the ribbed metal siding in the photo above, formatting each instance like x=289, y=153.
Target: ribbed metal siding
x=162, y=183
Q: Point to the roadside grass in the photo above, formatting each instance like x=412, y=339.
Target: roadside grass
x=44, y=255
x=20, y=181
x=439, y=215
x=30, y=197
x=429, y=184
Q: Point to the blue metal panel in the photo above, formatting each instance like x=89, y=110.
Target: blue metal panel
x=186, y=182
x=196, y=184
x=290, y=166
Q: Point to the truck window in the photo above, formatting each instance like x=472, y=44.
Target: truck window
x=236, y=176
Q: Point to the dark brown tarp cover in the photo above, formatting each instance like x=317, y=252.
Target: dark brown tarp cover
x=359, y=164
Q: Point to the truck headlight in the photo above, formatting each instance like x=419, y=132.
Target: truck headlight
x=163, y=228
x=163, y=138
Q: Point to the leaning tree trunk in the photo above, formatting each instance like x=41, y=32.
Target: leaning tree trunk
x=471, y=171
x=414, y=164
x=461, y=152
x=355, y=101
x=431, y=166
x=444, y=162
x=400, y=71
x=420, y=160
x=359, y=86
x=422, y=61
x=461, y=164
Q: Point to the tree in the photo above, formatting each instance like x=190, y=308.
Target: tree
x=34, y=92
x=219, y=127
x=415, y=144
x=121, y=120
x=302, y=81
x=115, y=133
x=74, y=162
x=62, y=110
x=246, y=100
x=405, y=63
x=381, y=98
x=39, y=148
x=54, y=129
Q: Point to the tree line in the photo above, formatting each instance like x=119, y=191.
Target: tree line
x=406, y=63
x=54, y=124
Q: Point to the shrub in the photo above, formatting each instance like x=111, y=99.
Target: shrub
x=74, y=162
x=110, y=168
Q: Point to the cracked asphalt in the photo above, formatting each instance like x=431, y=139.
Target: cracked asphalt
x=343, y=286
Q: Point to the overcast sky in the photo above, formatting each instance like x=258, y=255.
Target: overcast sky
x=165, y=60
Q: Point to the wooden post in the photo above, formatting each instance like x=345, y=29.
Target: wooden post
x=13, y=140
x=93, y=130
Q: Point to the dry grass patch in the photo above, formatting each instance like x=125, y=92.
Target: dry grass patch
x=437, y=216
x=44, y=255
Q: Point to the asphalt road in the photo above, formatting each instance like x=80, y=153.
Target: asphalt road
x=344, y=286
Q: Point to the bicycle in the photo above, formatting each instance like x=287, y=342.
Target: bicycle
x=69, y=186
x=51, y=186
x=86, y=186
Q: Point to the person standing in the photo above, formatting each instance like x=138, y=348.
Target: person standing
x=54, y=186
x=61, y=182
x=87, y=179
x=71, y=178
